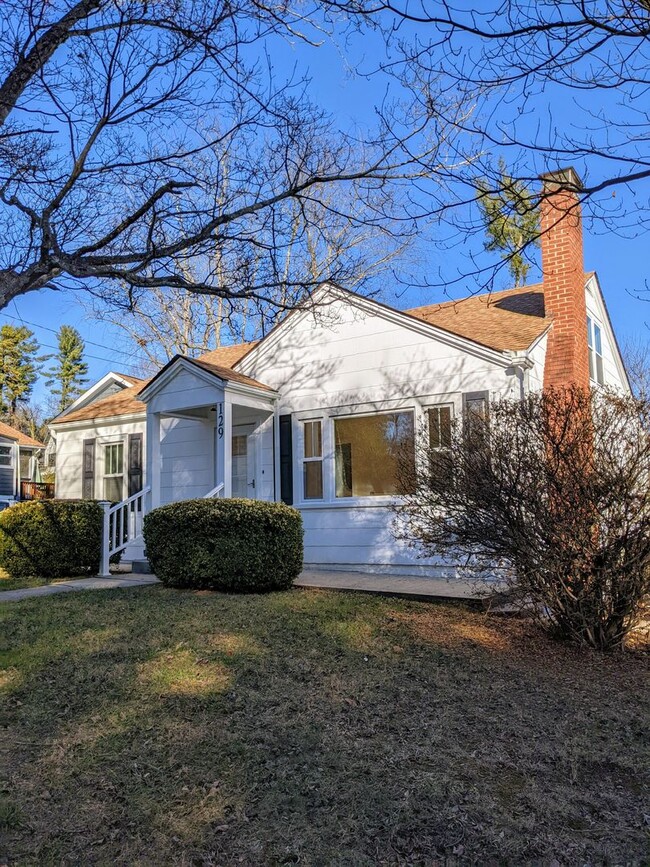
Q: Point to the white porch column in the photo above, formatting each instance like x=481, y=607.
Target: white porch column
x=227, y=445
x=154, y=463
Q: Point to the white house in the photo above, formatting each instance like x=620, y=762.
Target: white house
x=310, y=414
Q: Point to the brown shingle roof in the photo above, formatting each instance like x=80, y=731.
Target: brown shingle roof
x=228, y=374
x=18, y=436
x=507, y=320
x=226, y=356
x=124, y=402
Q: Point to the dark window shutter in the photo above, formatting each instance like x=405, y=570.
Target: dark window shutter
x=88, y=470
x=135, y=463
x=286, y=460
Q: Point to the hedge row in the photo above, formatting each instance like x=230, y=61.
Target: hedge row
x=245, y=546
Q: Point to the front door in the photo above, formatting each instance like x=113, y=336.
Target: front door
x=243, y=462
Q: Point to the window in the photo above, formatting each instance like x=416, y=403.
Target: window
x=368, y=450
x=313, y=460
x=439, y=427
x=114, y=472
x=595, y=344
x=6, y=459
x=475, y=406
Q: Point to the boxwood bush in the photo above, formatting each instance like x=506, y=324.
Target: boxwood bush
x=241, y=546
x=50, y=538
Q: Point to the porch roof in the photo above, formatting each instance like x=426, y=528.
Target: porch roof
x=226, y=374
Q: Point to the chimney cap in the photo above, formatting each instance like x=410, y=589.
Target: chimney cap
x=566, y=178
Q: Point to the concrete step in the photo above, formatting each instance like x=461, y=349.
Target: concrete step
x=140, y=567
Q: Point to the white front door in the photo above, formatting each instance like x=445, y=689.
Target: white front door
x=243, y=462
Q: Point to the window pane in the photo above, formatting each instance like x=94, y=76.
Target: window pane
x=475, y=411
x=113, y=459
x=5, y=456
x=440, y=427
x=592, y=373
x=590, y=341
x=313, y=439
x=367, y=453
x=597, y=340
x=599, y=370
x=113, y=489
x=313, y=480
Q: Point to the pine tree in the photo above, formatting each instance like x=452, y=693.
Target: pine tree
x=511, y=221
x=18, y=367
x=67, y=377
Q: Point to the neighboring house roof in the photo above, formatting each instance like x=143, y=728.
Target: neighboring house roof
x=123, y=402
x=19, y=437
x=508, y=320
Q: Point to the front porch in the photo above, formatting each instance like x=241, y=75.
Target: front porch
x=209, y=433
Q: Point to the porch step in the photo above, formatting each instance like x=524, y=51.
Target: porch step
x=140, y=567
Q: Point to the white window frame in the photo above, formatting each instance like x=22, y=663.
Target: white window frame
x=105, y=446
x=593, y=327
x=12, y=451
x=446, y=404
x=313, y=459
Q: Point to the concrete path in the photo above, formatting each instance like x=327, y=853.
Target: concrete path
x=123, y=579
x=408, y=586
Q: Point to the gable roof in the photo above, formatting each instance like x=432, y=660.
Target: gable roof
x=508, y=320
x=124, y=402
x=127, y=401
x=18, y=436
x=225, y=373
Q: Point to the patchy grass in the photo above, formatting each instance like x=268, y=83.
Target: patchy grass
x=162, y=727
x=9, y=583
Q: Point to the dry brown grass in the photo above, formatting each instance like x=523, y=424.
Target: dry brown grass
x=157, y=727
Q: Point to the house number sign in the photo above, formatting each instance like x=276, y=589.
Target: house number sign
x=220, y=421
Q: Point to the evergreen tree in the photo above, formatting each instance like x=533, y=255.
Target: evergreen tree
x=511, y=221
x=67, y=377
x=18, y=367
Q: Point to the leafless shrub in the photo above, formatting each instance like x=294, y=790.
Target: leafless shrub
x=549, y=494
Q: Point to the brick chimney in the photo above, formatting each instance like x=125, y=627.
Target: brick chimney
x=567, y=358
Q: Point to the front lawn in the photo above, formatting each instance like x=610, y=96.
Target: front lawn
x=9, y=583
x=157, y=727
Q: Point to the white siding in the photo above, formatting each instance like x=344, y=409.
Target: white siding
x=69, y=453
x=187, y=449
x=344, y=360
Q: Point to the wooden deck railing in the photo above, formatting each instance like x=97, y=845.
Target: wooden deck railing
x=36, y=490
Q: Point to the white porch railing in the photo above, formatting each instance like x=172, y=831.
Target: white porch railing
x=122, y=524
x=215, y=492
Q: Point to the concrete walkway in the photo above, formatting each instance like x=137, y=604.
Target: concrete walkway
x=408, y=586
x=123, y=579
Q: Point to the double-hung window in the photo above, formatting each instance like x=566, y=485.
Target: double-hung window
x=595, y=343
x=114, y=472
x=313, y=460
x=6, y=456
x=440, y=432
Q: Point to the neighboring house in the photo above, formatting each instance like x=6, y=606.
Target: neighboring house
x=313, y=413
x=18, y=453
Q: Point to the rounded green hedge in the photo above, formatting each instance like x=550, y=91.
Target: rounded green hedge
x=50, y=538
x=240, y=546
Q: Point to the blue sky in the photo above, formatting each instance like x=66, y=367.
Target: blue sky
x=619, y=256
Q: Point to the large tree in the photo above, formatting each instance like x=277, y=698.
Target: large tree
x=135, y=137
x=18, y=367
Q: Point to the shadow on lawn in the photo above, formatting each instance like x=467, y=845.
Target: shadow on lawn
x=171, y=728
